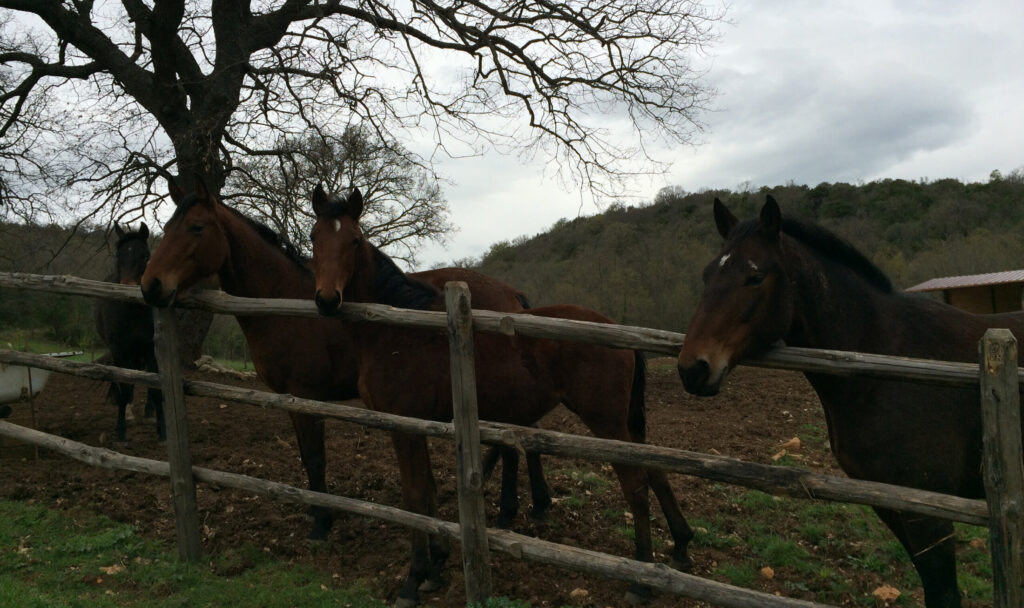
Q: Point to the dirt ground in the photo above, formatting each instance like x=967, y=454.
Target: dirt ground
x=757, y=412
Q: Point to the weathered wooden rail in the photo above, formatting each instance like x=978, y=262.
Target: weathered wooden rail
x=998, y=380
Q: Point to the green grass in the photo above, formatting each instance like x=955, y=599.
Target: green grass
x=34, y=342
x=242, y=366
x=819, y=546
x=52, y=559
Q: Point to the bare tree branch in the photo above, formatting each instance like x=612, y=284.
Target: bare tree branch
x=96, y=104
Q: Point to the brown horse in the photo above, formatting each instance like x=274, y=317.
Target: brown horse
x=779, y=279
x=406, y=371
x=310, y=358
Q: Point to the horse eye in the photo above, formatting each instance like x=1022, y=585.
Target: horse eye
x=357, y=242
x=196, y=228
x=754, y=280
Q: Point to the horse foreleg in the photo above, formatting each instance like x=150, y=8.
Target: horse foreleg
x=932, y=548
x=418, y=494
x=538, y=487
x=122, y=394
x=156, y=398
x=677, y=525
x=508, y=503
x=309, y=432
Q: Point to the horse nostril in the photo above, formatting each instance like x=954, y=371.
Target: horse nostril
x=329, y=304
x=151, y=292
x=695, y=377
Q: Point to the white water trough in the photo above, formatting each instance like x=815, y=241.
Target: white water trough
x=20, y=383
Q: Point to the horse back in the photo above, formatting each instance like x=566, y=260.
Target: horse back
x=487, y=293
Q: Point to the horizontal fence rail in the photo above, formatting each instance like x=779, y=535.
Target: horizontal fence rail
x=789, y=481
x=663, y=342
x=658, y=576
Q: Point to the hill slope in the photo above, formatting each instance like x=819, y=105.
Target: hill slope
x=642, y=265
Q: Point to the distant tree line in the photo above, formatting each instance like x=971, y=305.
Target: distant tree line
x=642, y=265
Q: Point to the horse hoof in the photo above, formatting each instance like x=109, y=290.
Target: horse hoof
x=431, y=585
x=682, y=565
x=404, y=602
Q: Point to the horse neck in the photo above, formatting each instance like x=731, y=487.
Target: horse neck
x=834, y=308
x=378, y=280
x=256, y=268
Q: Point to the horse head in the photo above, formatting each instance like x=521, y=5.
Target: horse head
x=194, y=246
x=132, y=254
x=337, y=245
x=747, y=305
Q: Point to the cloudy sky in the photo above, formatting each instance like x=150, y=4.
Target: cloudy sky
x=809, y=92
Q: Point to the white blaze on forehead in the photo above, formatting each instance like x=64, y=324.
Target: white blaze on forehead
x=723, y=260
x=337, y=225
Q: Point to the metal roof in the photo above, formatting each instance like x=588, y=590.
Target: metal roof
x=970, y=280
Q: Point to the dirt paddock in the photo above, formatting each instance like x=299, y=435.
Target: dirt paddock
x=757, y=412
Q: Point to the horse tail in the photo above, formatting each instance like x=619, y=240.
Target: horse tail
x=523, y=301
x=636, y=419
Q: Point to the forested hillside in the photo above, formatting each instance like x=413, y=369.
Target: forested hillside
x=642, y=265
x=52, y=250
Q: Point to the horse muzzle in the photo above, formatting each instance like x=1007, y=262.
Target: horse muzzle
x=697, y=379
x=328, y=303
x=154, y=293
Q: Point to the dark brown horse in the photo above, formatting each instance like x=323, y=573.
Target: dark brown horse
x=779, y=279
x=406, y=371
x=310, y=358
x=127, y=329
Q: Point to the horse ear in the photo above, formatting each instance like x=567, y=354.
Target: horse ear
x=177, y=194
x=771, y=217
x=201, y=190
x=118, y=231
x=724, y=219
x=144, y=230
x=355, y=203
x=319, y=197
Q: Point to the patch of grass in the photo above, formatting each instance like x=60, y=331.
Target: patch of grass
x=573, y=501
x=711, y=534
x=780, y=552
x=33, y=342
x=242, y=366
x=740, y=575
x=753, y=500
x=590, y=481
x=83, y=560
x=812, y=432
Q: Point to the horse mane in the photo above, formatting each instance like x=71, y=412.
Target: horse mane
x=395, y=288
x=266, y=233
x=839, y=250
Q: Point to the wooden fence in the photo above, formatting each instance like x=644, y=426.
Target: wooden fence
x=998, y=379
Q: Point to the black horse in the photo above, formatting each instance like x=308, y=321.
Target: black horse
x=127, y=329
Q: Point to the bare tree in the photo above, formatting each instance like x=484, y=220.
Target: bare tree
x=137, y=87
x=404, y=205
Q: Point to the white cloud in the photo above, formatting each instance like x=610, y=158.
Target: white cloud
x=809, y=92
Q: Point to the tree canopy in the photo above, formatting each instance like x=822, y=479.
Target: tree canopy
x=100, y=98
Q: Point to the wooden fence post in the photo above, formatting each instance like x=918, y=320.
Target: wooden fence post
x=183, y=485
x=469, y=470
x=1003, y=467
